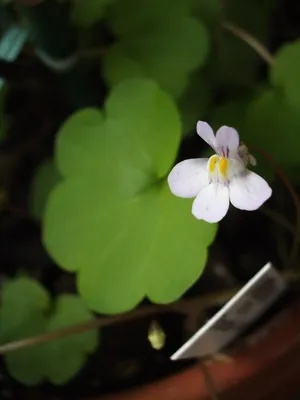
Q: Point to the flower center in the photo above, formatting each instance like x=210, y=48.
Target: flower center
x=222, y=169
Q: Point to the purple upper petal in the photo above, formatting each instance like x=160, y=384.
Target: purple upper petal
x=227, y=140
x=206, y=133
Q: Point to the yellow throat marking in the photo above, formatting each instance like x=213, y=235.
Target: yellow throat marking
x=218, y=162
x=223, y=166
x=212, y=163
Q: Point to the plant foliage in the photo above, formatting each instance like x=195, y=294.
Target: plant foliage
x=27, y=310
x=112, y=219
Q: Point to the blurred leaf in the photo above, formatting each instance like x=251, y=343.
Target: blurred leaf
x=85, y=13
x=235, y=62
x=128, y=17
x=232, y=113
x=22, y=298
x=273, y=126
x=25, y=313
x=125, y=231
x=209, y=11
x=285, y=72
x=27, y=365
x=118, y=65
x=46, y=176
x=194, y=102
x=69, y=311
x=167, y=54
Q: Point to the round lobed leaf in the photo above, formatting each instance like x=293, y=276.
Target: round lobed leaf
x=167, y=54
x=69, y=310
x=149, y=259
x=112, y=219
x=27, y=365
x=139, y=115
x=209, y=11
x=25, y=313
x=235, y=62
x=118, y=66
x=46, y=176
x=194, y=102
x=128, y=17
x=232, y=113
x=285, y=71
x=273, y=126
x=85, y=13
x=21, y=298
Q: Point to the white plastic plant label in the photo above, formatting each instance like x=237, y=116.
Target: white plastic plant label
x=238, y=313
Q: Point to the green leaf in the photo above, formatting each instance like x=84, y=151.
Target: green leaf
x=194, y=102
x=127, y=17
x=167, y=54
x=139, y=115
x=273, y=126
x=235, y=62
x=85, y=13
x=23, y=302
x=231, y=113
x=285, y=71
x=209, y=11
x=27, y=365
x=123, y=231
x=118, y=66
x=46, y=176
x=24, y=313
x=21, y=298
x=69, y=311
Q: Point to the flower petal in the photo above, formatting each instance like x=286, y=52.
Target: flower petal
x=189, y=177
x=212, y=203
x=227, y=139
x=206, y=133
x=249, y=191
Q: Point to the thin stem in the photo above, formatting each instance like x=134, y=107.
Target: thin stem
x=185, y=306
x=295, y=198
x=209, y=382
x=278, y=219
x=250, y=40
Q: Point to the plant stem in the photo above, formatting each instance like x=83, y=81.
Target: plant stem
x=278, y=219
x=295, y=198
x=186, y=307
x=250, y=40
x=209, y=381
x=267, y=56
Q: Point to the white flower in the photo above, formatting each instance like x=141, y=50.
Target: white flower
x=221, y=179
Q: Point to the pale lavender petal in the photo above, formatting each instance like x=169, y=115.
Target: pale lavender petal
x=188, y=177
x=212, y=203
x=206, y=133
x=249, y=191
x=227, y=140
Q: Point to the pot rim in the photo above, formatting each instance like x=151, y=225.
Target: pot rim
x=254, y=357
